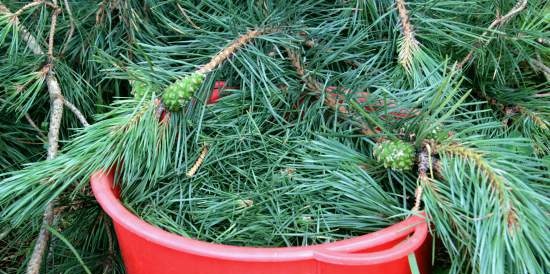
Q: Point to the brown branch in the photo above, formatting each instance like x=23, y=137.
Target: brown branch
x=499, y=21
x=198, y=163
x=410, y=44
x=229, y=50
x=100, y=12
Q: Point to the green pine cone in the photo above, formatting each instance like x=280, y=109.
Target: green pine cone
x=178, y=94
x=140, y=89
x=396, y=155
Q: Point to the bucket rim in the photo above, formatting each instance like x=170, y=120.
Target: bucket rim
x=414, y=229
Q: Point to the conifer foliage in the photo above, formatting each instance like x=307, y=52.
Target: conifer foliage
x=335, y=119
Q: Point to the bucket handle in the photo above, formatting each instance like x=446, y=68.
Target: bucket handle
x=344, y=253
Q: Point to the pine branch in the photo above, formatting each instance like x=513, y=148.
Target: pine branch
x=28, y=6
x=41, y=244
x=53, y=26
x=71, y=28
x=510, y=110
x=409, y=44
x=331, y=99
x=497, y=181
x=76, y=112
x=499, y=21
x=540, y=122
x=229, y=50
x=425, y=163
x=57, y=102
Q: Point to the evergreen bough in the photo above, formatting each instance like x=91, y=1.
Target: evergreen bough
x=478, y=69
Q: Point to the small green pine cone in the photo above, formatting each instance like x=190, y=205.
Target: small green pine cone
x=178, y=94
x=140, y=89
x=396, y=155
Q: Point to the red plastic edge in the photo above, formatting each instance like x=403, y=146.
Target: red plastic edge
x=336, y=253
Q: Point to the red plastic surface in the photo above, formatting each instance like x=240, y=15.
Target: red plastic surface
x=149, y=250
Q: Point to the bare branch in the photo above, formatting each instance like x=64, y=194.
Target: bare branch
x=41, y=242
x=76, y=112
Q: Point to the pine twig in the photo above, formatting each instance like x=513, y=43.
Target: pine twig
x=315, y=86
x=76, y=112
x=34, y=126
x=477, y=158
x=410, y=44
x=496, y=181
x=53, y=26
x=499, y=21
x=198, y=163
x=540, y=66
x=71, y=28
x=26, y=7
x=33, y=266
x=225, y=53
x=540, y=122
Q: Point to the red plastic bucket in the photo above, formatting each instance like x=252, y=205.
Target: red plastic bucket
x=149, y=250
